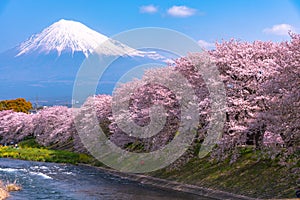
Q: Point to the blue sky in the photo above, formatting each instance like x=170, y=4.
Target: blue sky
x=206, y=20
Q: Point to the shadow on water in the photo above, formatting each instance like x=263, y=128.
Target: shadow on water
x=66, y=182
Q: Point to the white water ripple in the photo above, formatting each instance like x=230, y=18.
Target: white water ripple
x=12, y=170
x=45, y=176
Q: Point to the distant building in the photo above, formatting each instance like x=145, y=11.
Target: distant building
x=33, y=111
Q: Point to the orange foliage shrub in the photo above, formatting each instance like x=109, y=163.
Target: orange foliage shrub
x=17, y=105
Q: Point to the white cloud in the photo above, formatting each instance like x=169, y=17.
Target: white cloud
x=279, y=29
x=148, y=9
x=169, y=61
x=181, y=11
x=206, y=45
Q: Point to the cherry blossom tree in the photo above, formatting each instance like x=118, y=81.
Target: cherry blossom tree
x=54, y=126
x=282, y=90
x=15, y=126
x=244, y=67
x=143, y=94
x=101, y=106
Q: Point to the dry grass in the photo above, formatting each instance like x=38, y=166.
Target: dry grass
x=12, y=187
x=5, y=189
x=3, y=193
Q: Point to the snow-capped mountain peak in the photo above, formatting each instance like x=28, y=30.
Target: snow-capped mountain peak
x=67, y=35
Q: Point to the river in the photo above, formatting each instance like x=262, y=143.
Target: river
x=68, y=182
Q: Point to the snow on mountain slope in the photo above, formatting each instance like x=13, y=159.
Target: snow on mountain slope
x=67, y=35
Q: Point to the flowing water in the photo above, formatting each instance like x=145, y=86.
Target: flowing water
x=62, y=182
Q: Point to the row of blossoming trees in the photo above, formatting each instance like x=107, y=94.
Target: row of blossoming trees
x=262, y=83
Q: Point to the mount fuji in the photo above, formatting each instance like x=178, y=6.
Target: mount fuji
x=45, y=65
x=72, y=36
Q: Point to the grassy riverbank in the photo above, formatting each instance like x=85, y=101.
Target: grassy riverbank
x=250, y=175
x=29, y=150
